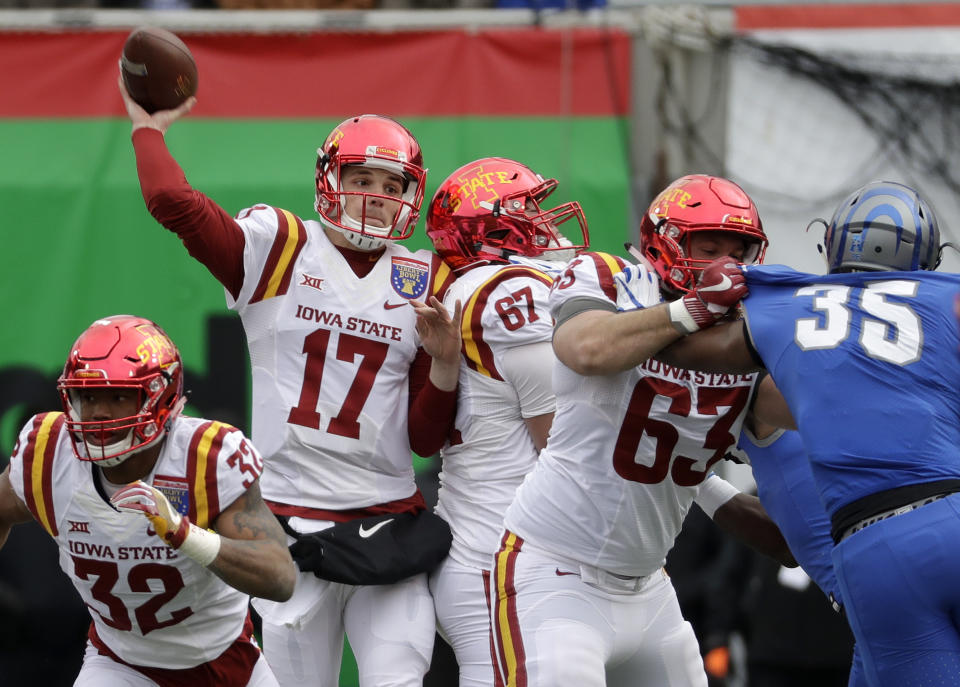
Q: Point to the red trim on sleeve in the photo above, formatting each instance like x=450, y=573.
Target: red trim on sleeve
x=443, y=277
x=605, y=273
x=475, y=327
x=202, y=458
x=278, y=270
x=475, y=309
x=41, y=446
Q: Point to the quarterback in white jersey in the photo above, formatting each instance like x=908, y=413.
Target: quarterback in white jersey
x=485, y=216
x=354, y=364
x=325, y=328
x=581, y=597
x=167, y=596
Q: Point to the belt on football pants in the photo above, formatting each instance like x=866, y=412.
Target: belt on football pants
x=592, y=575
x=888, y=503
x=906, y=508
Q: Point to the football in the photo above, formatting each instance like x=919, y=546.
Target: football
x=158, y=69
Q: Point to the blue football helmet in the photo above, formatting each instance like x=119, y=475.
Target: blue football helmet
x=883, y=226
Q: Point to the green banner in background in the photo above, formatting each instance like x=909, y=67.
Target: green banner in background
x=79, y=243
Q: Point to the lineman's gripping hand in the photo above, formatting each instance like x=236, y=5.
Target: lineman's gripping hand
x=174, y=529
x=721, y=286
x=637, y=287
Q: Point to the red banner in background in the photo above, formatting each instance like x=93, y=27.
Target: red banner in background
x=507, y=72
x=847, y=16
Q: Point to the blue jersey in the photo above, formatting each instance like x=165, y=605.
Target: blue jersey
x=869, y=365
x=785, y=488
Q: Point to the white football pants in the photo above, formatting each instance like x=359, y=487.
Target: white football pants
x=463, y=619
x=390, y=628
x=103, y=671
x=563, y=624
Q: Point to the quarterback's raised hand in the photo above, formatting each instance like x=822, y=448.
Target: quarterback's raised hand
x=176, y=530
x=721, y=287
x=160, y=120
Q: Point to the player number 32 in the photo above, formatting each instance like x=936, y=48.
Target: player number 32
x=893, y=334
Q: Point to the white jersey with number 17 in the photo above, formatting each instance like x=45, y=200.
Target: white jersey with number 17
x=331, y=355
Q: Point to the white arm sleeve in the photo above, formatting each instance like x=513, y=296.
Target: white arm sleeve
x=529, y=369
x=714, y=492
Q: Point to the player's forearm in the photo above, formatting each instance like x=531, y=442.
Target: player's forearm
x=161, y=178
x=444, y=375
x=721, y=348
x=599, y=342
x=432, y=415
x=260, y=567
x=12, y=509
x=745, y=518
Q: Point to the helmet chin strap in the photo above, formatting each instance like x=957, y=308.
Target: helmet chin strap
x=362, y=241
x=94, y=450
x=352, y=231
x=124, y=444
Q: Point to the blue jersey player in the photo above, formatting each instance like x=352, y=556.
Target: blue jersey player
x=787, y=492
x=866, y=368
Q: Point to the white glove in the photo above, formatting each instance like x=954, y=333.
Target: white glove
x=637, y=287
x=174, y=529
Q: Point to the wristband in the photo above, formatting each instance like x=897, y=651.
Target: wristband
x=201, y=545
x=681, y=318
x=714, y=492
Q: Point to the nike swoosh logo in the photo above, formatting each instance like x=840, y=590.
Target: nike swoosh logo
x=724, y=284
x=562, y=573
x=364, y=533
x=390, y=306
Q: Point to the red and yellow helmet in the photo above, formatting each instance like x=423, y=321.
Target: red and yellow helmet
x=490, y=209
x=381, y=143
x=693, y=203
x=121, y=352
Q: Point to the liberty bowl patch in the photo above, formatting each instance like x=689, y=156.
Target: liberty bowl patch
x=409, y=277
x=177, y=491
